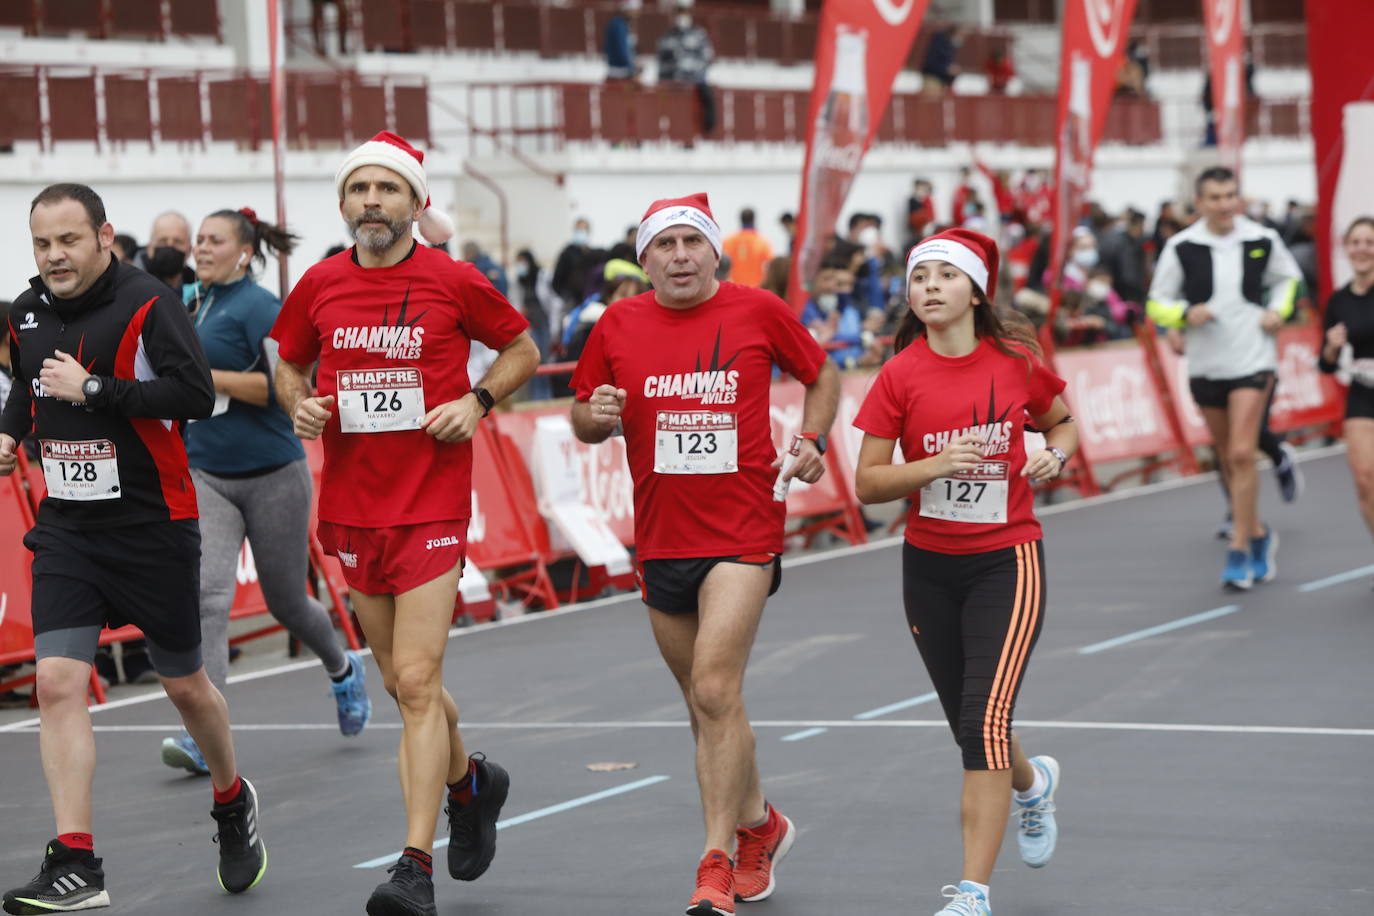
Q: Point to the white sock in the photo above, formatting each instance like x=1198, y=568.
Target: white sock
x=981, y=888
x=1037, y=788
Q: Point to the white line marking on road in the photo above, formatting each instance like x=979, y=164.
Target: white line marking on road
x=804, y=734
x=897, y=707
x=1162, y=628
x=1337, y=579
x=795, y=724
x=535, y=815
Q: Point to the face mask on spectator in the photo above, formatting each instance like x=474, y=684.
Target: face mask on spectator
x=579, y=237
x=1085, y=258
x=683, y=20
x=827, y=302
x=869, y=237
x=521, y=269
x=1098, y=289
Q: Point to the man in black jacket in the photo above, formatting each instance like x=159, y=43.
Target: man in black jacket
x=106, y=367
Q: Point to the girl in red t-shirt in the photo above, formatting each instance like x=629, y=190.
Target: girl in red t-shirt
x=955, y=396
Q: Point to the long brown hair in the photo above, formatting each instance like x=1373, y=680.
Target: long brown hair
x=997, y=325
x=258, y=233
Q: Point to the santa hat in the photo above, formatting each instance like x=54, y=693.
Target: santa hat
x=393, y=152
x=693, y=210
x=972, y=252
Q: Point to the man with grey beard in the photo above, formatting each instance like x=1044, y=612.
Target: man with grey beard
x=390, y=322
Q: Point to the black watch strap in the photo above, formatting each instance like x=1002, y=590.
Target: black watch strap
x=485, y=399
x=820, y=439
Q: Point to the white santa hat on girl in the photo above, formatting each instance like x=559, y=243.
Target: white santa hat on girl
x=693, y=210
x=972, y=252
x=393, y=152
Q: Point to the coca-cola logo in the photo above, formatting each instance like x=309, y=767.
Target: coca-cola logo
x=246, y=570
x=894, y=13
x=606, y=480
x=1222, y=16
x=1300, y=384
x=477, y=525
x=1118, y=408
x=1106, y=23
x=839, y=158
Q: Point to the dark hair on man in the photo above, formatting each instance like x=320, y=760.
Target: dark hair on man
x=1218, y=173
x=787, y=217
x=56, y=193
x=855, y=218
x=128, y=246
x=746, y=218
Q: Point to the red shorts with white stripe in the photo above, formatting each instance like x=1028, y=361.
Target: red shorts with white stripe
x=389, y=561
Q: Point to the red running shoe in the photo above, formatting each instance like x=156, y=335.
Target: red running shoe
x=715, y=893
x=758, y=855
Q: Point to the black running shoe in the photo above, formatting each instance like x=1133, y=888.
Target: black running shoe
x=472, y=827
x=70, y=879
x=242, y=855
x=410, y=892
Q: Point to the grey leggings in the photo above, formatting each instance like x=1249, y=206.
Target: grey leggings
x=273, y=511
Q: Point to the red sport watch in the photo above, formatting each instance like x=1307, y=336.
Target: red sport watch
x=819, y=439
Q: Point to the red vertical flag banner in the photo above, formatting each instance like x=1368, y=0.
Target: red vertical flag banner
x=1094, y=39
x=860, y=48
x=1342, y=126
x=1226, y=50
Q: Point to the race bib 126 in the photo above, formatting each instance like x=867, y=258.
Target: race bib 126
x=380, y=400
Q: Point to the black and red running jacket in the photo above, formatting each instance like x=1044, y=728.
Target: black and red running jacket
x=130, y=329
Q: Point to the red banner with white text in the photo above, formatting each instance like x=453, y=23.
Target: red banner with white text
x=1093, y=41
x=1225, y=51
x=861, y=46
x=1342, y=127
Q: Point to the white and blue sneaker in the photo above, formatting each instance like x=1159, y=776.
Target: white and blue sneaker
x=355, y=708
x=1264, y=556
x=965, y=900
x=182, y=753
x=1237, y=575
x=1037, y=831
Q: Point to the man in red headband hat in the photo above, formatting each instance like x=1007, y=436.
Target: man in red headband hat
x=389, y=322
x=687, y=368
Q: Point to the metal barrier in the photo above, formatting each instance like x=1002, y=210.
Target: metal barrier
x=540, y=117
x=115, y=106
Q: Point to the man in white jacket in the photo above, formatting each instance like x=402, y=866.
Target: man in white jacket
x=1230, y=283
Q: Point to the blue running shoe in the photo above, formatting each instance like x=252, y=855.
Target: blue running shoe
x=966, y=900
x=1037, y=832
x=1237, y=576
x=1264, y=556
x=355, y=709
x=181, y=753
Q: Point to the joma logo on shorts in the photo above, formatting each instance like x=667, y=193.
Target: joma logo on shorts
x=441, y=542
x=348, y=559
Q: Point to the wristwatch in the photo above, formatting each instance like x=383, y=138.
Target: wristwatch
x=485, y=399
x=93, y=387
x=820, y=440
x=1059, y=453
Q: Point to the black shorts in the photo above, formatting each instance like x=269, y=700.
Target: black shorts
x=1211, y=392
x=1359, y=403
x=671, y=585
x=146, y=575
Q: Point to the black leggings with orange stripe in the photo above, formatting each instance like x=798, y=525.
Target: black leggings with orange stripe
x=975, y=619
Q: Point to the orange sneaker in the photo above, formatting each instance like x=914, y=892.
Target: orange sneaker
x=759, y=853
x=715, y=893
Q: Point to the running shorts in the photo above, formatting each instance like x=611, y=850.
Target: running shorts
x=1211, y=392
x=672, y=585
x=389, y=561
x=147, y=575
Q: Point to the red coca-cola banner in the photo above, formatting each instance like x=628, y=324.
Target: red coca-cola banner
x=1225, y=48
x=861, y=46
x=1094, y=38
x=1342, y=120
